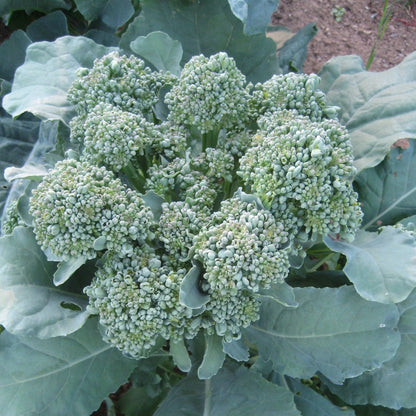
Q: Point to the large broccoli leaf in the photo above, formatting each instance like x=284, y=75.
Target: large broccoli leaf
x=378, y=108
x=30, y=304
x=233, y=391
x=393, y=384
x=323, y=334
x=206, y=27
x=387, y=192
x=381, y=266
x=63, y=376
x=40, y=85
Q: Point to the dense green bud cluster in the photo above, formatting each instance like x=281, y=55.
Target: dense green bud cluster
x=110, y=136
x=302, y=171
x=12, y=218
x=235, y=143
x=137, y=299
x=121, y=81
x=211, y=94
x=242, y=248
x=297, y=92
x=226, y=314
x=77, y=203
x=215, y=164
x=178, y=226
x=167, y=141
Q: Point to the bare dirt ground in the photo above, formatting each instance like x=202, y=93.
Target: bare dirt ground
x=356, y=33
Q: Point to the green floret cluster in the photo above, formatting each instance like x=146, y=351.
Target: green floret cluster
x=124, y=82
x=297, y=92
x=211, y=93
x=303, y=171
x=12, y=218
x=78, y=206
x=136, y=297
x=243, y=247
x=179, y=223
x=110, y=136
x=196, y=202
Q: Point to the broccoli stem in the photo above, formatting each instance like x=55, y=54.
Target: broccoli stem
x=210, y=138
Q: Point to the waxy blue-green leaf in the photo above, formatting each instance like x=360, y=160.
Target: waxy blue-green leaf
x=381, y=266
x=26, y=172
x=333, y=331
x=378, y=108
x=114, y=13
x=45, y=6
x=292, y=55
x=63, y=376
x=30, y=305
x=310, y=403
x=49, y=27
x=233, y=391
x=67, y=268
x=382, y=411
x=189, y=293
x=40, y=85
x=281, y=293
x=12, y=54
x=164, y=53
x=254, y=14
x=392, y=385
x=213, y=358
x=17, y=138
x=180, y=355
x=237, y=349
x=206, y=27
x=387, y=191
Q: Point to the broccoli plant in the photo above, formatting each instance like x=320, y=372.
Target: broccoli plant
x=216, y=241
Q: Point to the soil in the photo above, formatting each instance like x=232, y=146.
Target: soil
x=356, y=33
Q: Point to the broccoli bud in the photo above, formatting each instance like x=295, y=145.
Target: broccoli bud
x=76, y=203
x=211, y=94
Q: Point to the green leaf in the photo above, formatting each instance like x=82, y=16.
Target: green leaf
x=381, y=266
x=41, y=83
x=192, y=23
x=45, y=6
x=281, y=293
x=154, y=202
x=66, y=269
x=254, y=14
x=26, y=172
x=233, y=391
x=388, y=191
x=63, y=376
x=30, y=305
x=310, y=403
x=189, y=293
x=237, y=350
x=49, y=27
x=160, y=50
x=17, y=138
x=292, y=55
x=113, y=13
x=12, y=54
x=392, y=385
x=137, y=402
x=378, y=108
x=213, y=358
x=180, y=355
x=323, y=334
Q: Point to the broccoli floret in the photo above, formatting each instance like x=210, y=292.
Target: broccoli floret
x=297, y=92
x=178, y=226
x=303, y=172
x=121, y=81
x=110, y=136
x=12, y=218
x=243, y=247
x=137, y=299
x=77, y=203
x=211, y=94
x=227, y=314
